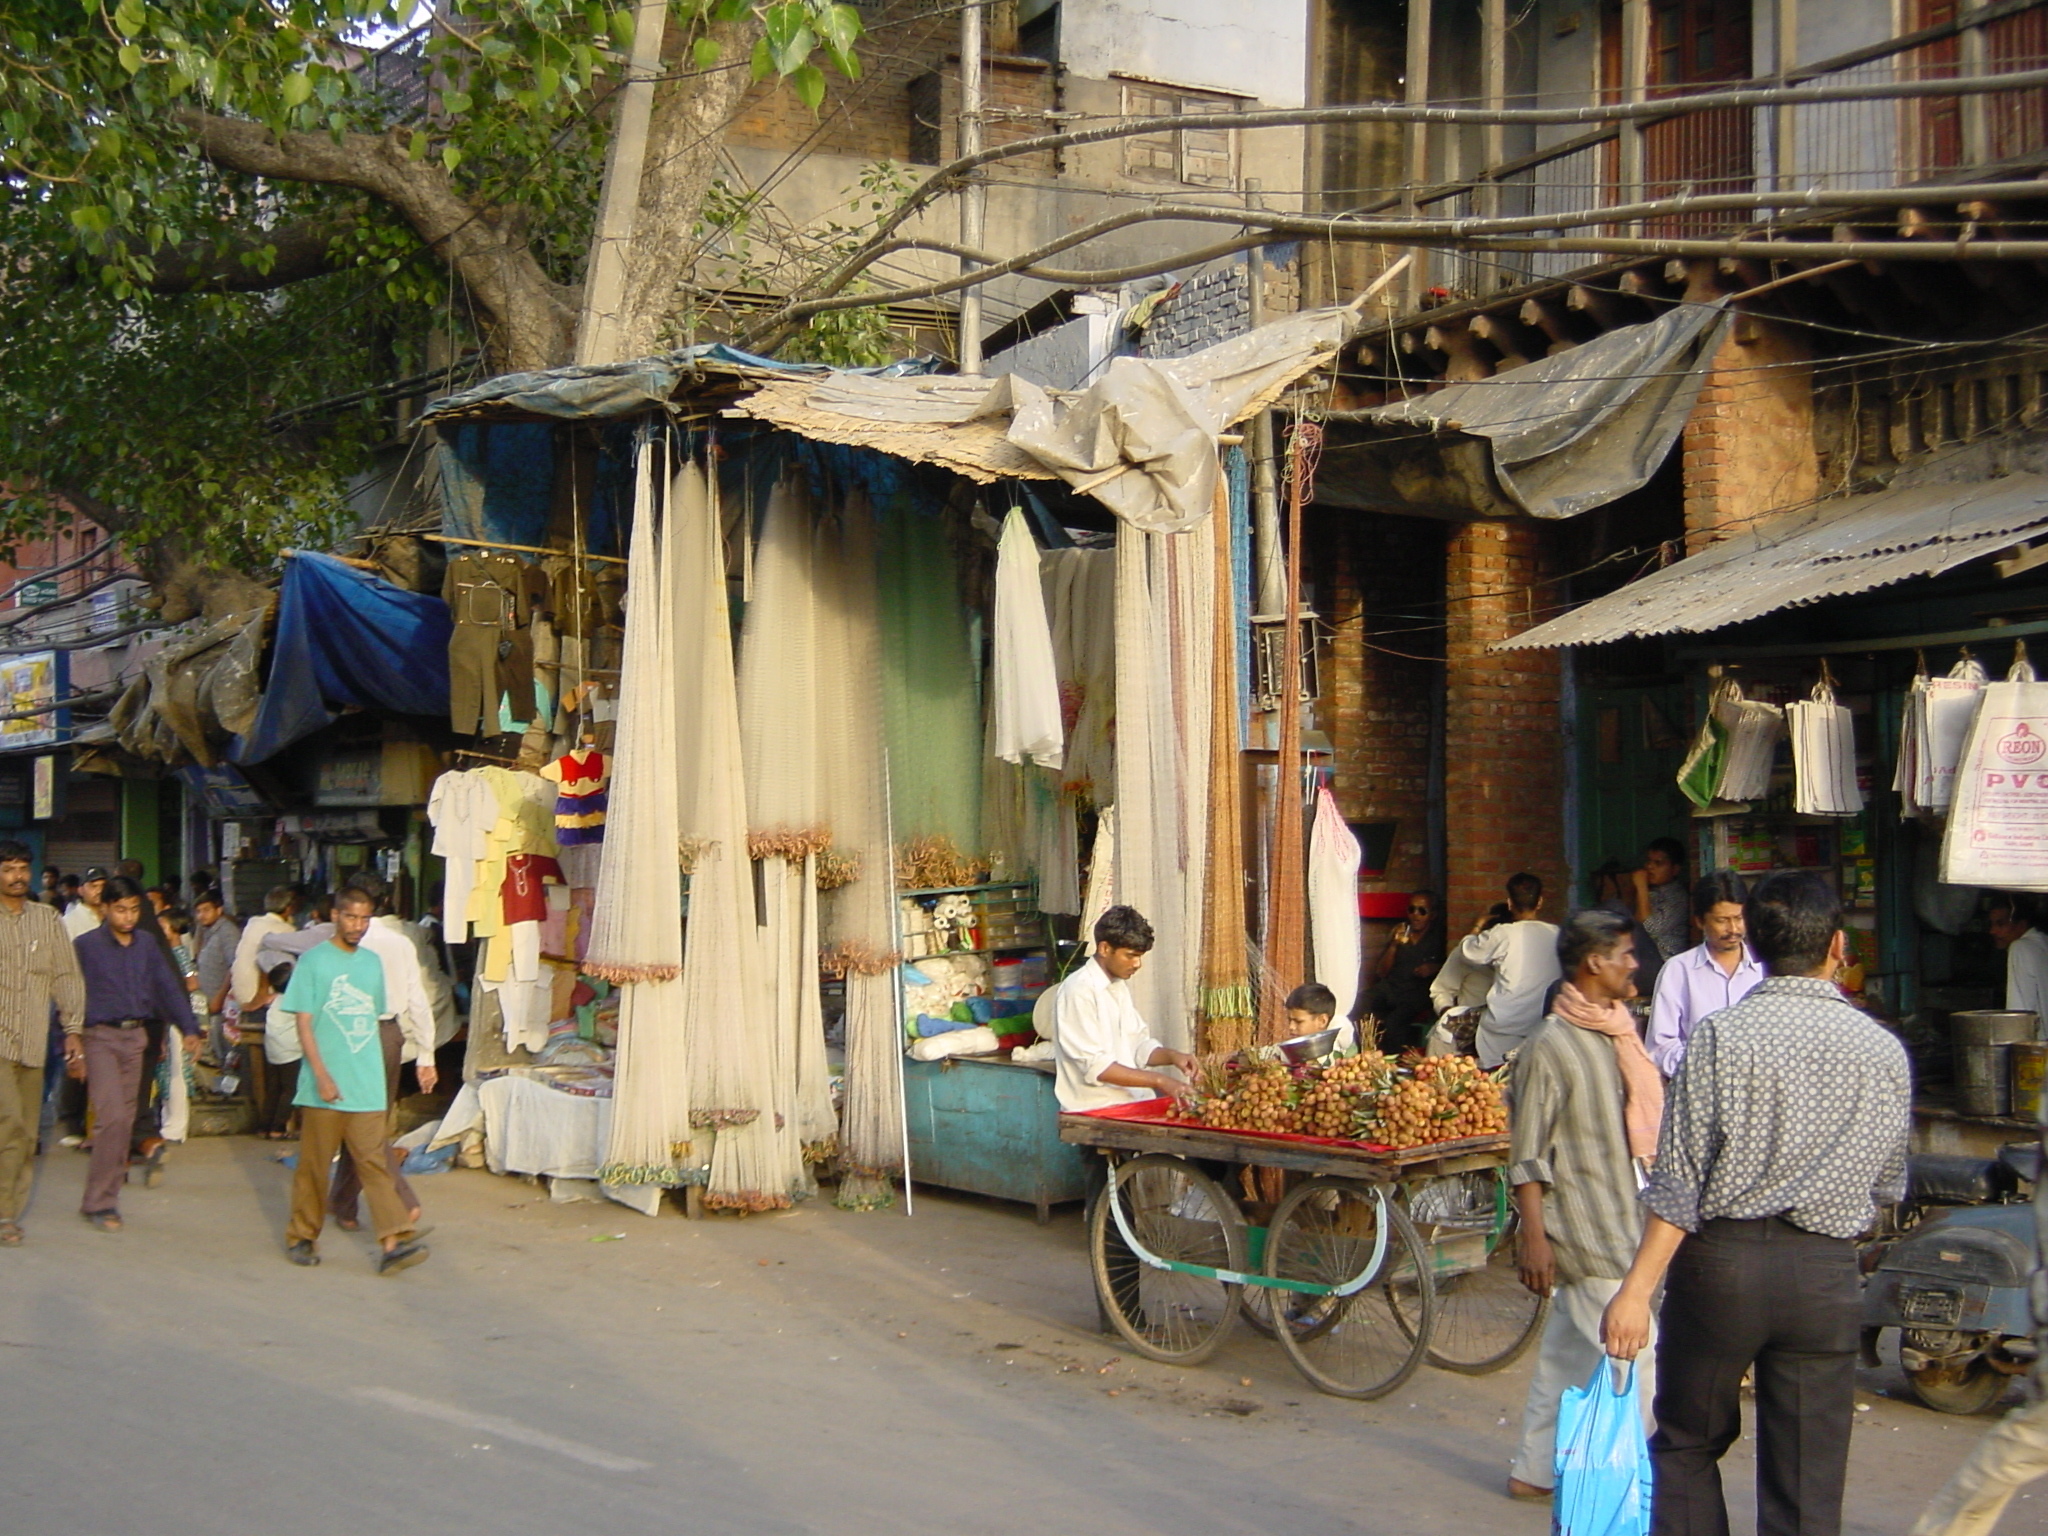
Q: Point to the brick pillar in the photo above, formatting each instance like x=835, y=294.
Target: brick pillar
x=1748, y=444
x=1376, y=572
x=1503, y=747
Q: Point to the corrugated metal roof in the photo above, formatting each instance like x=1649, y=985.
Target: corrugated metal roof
x=1855, y=544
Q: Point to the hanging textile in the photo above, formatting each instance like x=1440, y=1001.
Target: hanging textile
x=636, y=925
x=1823, y=754
x=753, y=1164
x=787, y=829
x=1024, y=691
x=1080, y=587
x=1227, y=1019
x=1333, y=860
x=932, y=682
x=859, y=908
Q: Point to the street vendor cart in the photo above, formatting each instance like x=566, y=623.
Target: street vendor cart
x=1374, y=1260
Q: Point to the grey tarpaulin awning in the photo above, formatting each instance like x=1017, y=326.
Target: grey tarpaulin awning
x=1833, y=549
x=1559, y=437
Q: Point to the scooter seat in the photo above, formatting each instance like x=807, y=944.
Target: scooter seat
x=2023, y=1158
x=1939, y=1178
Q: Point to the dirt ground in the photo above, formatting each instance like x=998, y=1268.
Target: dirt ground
x=561, y=1367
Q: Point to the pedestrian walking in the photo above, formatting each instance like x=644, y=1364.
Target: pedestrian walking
x=130, y=988
x=38, y=974
x=218, y=936
x=83, y=915
x=1786, y=1128
x=1587, y=1101
x=336, y=996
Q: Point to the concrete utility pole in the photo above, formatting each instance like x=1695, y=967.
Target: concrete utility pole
x=601, y=324
x=973, y=198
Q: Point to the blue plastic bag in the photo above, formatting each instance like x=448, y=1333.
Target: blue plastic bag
x=1603, y=1458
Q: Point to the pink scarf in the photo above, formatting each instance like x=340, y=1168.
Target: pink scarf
x=1642, y=1084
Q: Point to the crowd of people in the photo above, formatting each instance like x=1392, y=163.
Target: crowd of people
x=115, y=990
x=1691, y=1177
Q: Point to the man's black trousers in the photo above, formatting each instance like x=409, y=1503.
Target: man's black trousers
x=1769, y=1294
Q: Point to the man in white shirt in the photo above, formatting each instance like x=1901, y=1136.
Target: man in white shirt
x=2026, y=954
x=84, y=914
x=1104, y=1052
x=1522, y=953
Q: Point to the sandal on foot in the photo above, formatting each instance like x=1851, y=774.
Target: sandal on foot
x=10, y=1234
x=153, y=1166
x=404, y=1256
x=103, y=1221
x=301, y=1253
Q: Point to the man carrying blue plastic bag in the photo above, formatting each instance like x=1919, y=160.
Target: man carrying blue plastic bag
x=1587, y=1101
x=1786, y=1127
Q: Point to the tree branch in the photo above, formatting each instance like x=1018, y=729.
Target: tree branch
x=529, y=315
x=296, y=253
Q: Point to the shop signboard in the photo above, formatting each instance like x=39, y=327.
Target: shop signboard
x=351, y=778
x=33, y=594
x=30, y=687
x=46, y=788
x=223, y=790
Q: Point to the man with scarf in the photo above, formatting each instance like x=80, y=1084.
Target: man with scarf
x=1587, y=1102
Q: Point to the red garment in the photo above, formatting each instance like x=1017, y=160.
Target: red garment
x=574, y=772
x=524, y=892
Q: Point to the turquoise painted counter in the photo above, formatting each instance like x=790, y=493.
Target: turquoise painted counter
x=991, y=1127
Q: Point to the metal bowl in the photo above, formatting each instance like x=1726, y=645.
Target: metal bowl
x=1306, y=1048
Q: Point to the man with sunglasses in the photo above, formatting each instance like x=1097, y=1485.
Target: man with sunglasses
x=1399, y=997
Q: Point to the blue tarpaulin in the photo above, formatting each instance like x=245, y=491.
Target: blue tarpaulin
x=345, y=637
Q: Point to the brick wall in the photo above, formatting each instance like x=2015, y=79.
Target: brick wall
x=1018, y=93
x=1381, y=575
x=1503, y=747
x=869, y=117
x=1749, y=443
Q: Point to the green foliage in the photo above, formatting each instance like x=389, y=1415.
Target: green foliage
x=155, y=403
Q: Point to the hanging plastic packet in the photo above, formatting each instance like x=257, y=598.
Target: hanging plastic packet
x=1997, y=834
x=1823, y=753
x=1946, y=706
x=1754, y=729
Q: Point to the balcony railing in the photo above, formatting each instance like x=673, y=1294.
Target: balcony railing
x=1837, y=146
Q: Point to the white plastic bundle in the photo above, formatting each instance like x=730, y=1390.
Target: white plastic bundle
x=1333, y=860
x=1754, y=729
x=1823, y=756
x=1942, y=709
x=1024, y=691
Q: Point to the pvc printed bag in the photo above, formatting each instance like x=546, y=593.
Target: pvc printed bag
x=1997, y=833
x=1603, y=1458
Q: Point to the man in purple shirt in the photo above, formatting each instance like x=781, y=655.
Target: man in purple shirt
x=130, y=984
x=1706, y=978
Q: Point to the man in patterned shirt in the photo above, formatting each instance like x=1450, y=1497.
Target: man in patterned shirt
x=1786, y=1127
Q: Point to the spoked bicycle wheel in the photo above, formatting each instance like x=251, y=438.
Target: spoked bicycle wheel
x=1178, y=1214
x=1485, y=1316
x=1350, y=1344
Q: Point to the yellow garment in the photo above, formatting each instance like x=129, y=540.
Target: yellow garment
x=525, y=824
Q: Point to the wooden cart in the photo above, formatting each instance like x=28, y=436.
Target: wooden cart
x=1375, y=1261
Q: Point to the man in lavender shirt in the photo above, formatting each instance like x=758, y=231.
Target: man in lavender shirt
x=1706, y=978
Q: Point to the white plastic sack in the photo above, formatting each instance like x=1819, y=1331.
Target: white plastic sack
x=1754, y=729
x=1024, y=695
x=1944, y=708
x=1997, y=832
x=1823, y=756
x=1333, y=860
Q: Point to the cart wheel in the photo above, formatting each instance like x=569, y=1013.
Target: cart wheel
x=1180, y=1214
x=1485, y=1316
x=1325, y=1233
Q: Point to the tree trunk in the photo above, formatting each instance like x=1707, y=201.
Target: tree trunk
x=683, y=140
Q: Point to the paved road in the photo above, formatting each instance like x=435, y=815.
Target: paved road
x=577, y=1368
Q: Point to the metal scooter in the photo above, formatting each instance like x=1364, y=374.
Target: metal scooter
x=1951, y=1273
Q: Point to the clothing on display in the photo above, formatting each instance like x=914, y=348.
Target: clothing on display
x=493, y=599
x=583, y=775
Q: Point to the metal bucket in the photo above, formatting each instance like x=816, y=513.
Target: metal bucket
x=1983, y=1079
x=2029, y=1070
x=1992, y=1026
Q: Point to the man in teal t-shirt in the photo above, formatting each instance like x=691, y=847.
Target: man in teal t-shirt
x=336, y=996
